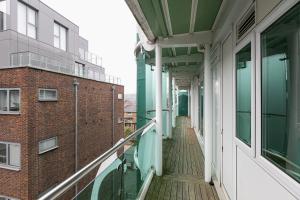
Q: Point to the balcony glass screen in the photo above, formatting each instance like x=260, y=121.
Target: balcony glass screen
x=280, y=100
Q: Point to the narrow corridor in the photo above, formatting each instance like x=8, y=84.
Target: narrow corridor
x=183, y=168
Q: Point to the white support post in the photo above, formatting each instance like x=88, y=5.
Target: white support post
x=170, y=104
x=207, y=114
x=189, y=102
x=191, y=105
x=158, y=108
x=174, y=104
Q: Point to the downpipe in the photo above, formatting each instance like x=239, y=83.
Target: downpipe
x=76, y=84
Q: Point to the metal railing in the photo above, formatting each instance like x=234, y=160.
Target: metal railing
x=71, y=181
x=90, y=57
x=62, y=66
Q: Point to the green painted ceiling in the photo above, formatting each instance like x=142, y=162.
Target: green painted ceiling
x=180, y=15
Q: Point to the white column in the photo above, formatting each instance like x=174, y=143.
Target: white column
x=173, y=100
x=189, y=103
x=207, y=114
x=170, y=94
x=158, y=108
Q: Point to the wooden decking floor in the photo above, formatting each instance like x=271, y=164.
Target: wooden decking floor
x=183, y=168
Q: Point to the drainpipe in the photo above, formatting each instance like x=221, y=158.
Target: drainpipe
x=113, y=114
x=76, y=84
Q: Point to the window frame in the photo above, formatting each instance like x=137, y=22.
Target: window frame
x=46, y=89
x=8, y=112
x=27, y=21
x=284, y=179
x=59, y=36
x=249, y=150
x=77, y=72
x=50, y=149
x=8, y=166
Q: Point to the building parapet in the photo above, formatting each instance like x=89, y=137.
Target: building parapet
x=37, y=61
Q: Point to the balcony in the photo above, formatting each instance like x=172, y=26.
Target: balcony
x=129, y=174
x=68, y=67
x=90, y=57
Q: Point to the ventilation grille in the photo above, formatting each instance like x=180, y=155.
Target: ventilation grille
x=246, y=23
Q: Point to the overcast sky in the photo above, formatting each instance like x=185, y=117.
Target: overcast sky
x=111, y=30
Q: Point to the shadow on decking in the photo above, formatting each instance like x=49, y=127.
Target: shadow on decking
x=183, y=168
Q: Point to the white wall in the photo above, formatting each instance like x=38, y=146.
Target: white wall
x=250, y=179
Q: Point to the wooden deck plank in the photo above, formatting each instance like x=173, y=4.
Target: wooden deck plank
x=183, y=168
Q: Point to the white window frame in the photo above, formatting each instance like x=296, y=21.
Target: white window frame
x=249, y=150
x=8, y=112
x=44, y=99
x=60, y=35
x=50, y=149
x=27, y=22
x=8, y=166
x=280, y=176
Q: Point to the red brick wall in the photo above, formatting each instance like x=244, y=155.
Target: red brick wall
x=42, y=120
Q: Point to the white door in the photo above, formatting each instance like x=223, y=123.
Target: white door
x=227, y=116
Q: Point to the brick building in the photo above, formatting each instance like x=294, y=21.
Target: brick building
x=44, y=71
x=130, y=112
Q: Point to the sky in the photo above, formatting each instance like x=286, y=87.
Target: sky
x=110, y=28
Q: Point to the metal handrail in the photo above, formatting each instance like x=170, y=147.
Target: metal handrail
x=72, y=180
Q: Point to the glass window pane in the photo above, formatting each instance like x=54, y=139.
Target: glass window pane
x=3, y=6
x=31, y=31
x=243, y=94
x=3, y=100
x=280, y=100
x=56, y=30
x=31, y=16
x=14, y=100
x=63, y=38
x=22, y=18
x=47, y=144
x=3, y=150
x=56, y=42
x=76, y=69
x=14, y=155
x=1, y=21
x=50, y=94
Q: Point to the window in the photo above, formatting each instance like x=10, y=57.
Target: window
x=27, y=23
x=3, y=12
x=243, y=94
x=280, y=96
x=10, y=155
x=79, y=69
x=1, y=21
x=60, y=36
x=47, y=145
x=9, y=101
x=120, y=96
x=47, y=95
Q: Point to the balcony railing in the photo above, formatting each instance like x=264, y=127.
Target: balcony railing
x=124, y=172
x=90, y=57
x=35, y=60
